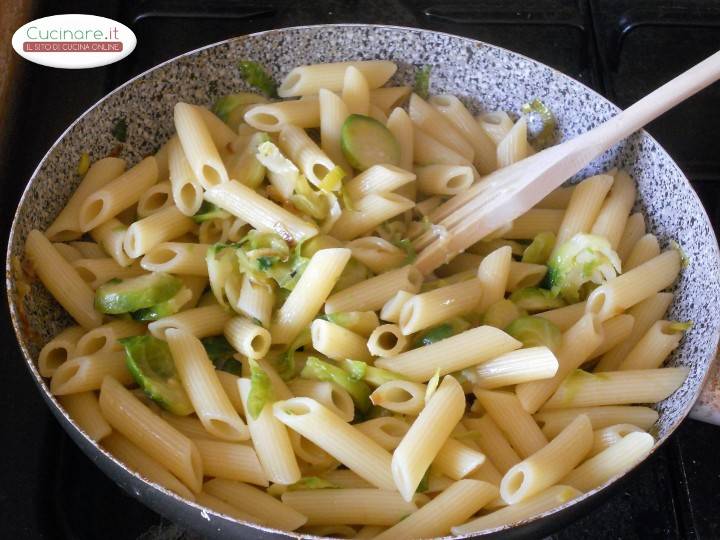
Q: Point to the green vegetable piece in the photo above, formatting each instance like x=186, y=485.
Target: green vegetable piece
x=208, y=211
x=502, y=313
x=312, y=482
x=163, y=309
x=151, y=365
x=225, y=105
x=442, y=331
x=354, y=272
x=316, y=243
x=261, y=391
x=684, y=257
x=221, y=354
x=119, y=130
x=359, y=370
x=677, y=327
x=123, y=296
x=284, y=363
x=585, y=258
x=406, y=245
x=424, y=484
x=221, y=262
x=245, y=166
x=332, y=181
x=539, y=249
x=535, y=332
x=256, y=76
x=83, y=164
x=545, y=136
x=307, y=200
x=422, y=82
x=324, y=371
x=366, y=142
x=535, y=299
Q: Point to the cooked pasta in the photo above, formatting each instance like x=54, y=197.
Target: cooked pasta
x=265, y=305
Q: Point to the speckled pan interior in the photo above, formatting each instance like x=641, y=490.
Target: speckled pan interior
x=486, y=78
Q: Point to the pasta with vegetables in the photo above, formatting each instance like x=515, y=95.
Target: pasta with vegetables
x=252, y=332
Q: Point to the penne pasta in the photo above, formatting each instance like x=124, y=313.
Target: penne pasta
x=182, y=258
x=426, y=436
x=62, y=280
x=514, y=421
x=59, y=350
x=84, y=410
x=355, y=91
x=521, y=366
x=584, y=207
x=187, y=193
x=492, y=442
x=645, y=248
x=231, y=461
x=554, y=421
x=349, y=506
x=399, y=396
x=199, y=322
x=369, y=212
x=378, y=179
x=261, y=213
x=433, y=307
x=455, y=112
x=308, y=80
x=634, y=286
x=247, y=338
x=634, y=230
x=197, y=375
x=377, y=254
x=306, y=299
x=117, y=195
x=549, y=499
x=614, y=213
x=616, y=459
x=198, y=146
x=110, y=236
x=578, y=344
x=548, y=465
x=387, y=340
x=344, y=442
x=265, y=509
x=582, y=389
x=144, y=465
x=85, y=373
x=155, y=199
x=66, y=225
x=271, y=441
x=372, y=294
x=151, y=434
x=337, y=342
x=457, y=352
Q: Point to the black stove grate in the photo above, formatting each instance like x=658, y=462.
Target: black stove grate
x=621, y=48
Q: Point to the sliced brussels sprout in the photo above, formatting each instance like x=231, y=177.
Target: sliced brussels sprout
x=535, y=332
x=585, y=258
x=261, y=391
x=208, y=211
x=222, y=354
x=151, y=365
x=324, y=371
x=132, y=294
x=442, y=331
x=540, y=249
x=535, y=299
x=372, y=375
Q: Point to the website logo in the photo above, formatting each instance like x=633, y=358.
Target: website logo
x=74, y=41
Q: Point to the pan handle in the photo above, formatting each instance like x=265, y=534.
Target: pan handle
x=707, y=407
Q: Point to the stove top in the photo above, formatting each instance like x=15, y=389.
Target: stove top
x=621, y=48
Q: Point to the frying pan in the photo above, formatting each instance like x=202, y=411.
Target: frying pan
x=487, y=78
